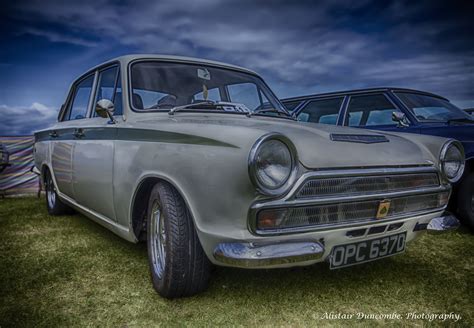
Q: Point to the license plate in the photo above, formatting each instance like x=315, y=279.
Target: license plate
x=367, y=250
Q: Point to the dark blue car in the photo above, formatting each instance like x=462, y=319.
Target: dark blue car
x=400, y=110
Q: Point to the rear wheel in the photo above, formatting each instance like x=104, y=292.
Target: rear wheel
x=465, y=200
x=177, y=262
x=54, y=205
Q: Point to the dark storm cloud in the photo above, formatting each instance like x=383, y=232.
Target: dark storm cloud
x=299, y=47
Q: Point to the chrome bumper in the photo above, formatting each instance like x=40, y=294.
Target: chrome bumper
x=254, y=255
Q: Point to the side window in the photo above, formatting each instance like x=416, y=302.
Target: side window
x=324, y=111
x=245, y=93
x=370, y=110
x=78, y=106
x=109, y=87
x=291, y=105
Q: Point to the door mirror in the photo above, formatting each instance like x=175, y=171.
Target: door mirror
x=401, y=119
x=105, y=108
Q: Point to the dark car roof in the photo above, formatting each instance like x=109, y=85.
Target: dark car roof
x=470, y=110
x=357, y=91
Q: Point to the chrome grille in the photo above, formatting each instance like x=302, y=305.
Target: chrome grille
x=349, y=212
x=366, y=184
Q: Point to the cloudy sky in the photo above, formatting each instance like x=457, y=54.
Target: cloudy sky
x=299, y=47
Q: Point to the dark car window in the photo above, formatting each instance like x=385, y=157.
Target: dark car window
x=108, y=87
x=370, y=110
x=291, y=105
x=429, y=108
x=325, y=111
x=79, y=104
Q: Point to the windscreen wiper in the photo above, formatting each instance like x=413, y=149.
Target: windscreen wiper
x=209, y=103
x=274, y=110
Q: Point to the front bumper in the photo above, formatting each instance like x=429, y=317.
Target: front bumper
x=286, y=253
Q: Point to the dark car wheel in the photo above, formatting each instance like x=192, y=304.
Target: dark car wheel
x=178, y=265
x=54, y=205
x=466, y=200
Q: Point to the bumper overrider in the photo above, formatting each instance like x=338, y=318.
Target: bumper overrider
x=329, y=208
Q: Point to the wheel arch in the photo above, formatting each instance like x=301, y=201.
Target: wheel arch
x=139, y=203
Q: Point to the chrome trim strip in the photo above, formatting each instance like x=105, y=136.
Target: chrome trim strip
x=350, y=198
x=325, y=227
x=253, y=255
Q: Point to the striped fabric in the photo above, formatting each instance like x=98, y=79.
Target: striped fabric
x=17, y=179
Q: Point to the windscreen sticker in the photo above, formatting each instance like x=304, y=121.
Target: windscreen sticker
x=204, y=74
x=234, y=107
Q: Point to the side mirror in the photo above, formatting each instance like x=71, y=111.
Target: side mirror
x=401, y=119
x=105, y=108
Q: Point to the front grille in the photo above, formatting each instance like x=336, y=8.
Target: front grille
x=347, y=213
x=319, y=187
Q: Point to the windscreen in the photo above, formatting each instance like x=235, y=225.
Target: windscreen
x=164, y=85
x=429, y=108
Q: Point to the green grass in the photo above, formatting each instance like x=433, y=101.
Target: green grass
x=69, y=271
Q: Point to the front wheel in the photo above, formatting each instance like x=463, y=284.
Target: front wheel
x=178, y=264
x=54, y=205
x=465, y=200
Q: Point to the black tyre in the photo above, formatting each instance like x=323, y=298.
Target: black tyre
x=54, y=205
x=465, y=200
x=178, y=265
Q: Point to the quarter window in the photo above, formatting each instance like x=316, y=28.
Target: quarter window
x=109, y=87
x=324, y=111
x=370, y=110
x=80, y=102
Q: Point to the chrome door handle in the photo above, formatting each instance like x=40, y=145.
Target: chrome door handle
x=79, y=133
x=53, y=134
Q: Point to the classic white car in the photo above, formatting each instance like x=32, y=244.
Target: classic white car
x=202, y=161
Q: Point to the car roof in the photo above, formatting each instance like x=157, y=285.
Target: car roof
x=357, y=91
x=129, y=58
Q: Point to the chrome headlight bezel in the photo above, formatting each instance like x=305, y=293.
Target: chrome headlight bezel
x=442, y=161
x=252, y=164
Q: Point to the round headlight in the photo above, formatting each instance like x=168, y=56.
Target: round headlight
x=272, y=164
x=452, y=161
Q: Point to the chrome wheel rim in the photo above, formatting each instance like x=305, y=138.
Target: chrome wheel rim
x=50, y=193
x=158, y=240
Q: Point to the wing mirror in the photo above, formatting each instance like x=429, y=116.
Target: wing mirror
x=105, y=108
x=401, y=119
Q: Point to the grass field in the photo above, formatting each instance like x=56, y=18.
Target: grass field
x=69, y=271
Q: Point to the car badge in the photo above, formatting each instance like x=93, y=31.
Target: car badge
x=384, y=207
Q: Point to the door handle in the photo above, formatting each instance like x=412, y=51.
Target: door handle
x=79, y=133
x=53, y=134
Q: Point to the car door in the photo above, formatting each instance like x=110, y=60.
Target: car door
x=62, y=135
x=93, y=164
x=373, y=111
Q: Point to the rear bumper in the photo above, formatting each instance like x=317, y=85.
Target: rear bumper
x=276, y=252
